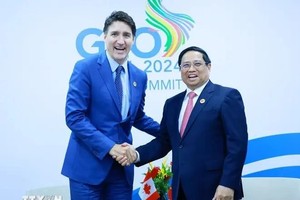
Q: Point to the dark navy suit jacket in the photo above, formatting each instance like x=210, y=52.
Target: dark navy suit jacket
x=94, y=116
x=213, y=148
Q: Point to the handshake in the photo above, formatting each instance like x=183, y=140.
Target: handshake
x=124, y=154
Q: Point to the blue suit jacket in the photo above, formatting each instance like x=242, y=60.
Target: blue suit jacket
x=94, y=116
x=213, y=148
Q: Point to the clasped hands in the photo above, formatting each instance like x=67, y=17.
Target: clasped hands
x=124, y=154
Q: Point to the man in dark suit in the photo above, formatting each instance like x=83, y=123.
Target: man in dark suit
x=208, y=152
x=105, y=99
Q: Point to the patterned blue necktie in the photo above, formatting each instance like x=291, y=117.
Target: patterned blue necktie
x=118, y=83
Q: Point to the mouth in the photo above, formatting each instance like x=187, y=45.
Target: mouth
x=192, y=76
x=119, y=49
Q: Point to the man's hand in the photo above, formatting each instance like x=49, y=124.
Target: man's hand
x=223, y=193
x=130, y=152
x=117, y=151
x=124, y=154
x=129, y=156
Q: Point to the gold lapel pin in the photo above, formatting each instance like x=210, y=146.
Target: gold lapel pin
x=134, y=84
x=202, y=101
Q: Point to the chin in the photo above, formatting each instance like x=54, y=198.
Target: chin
x=119, y=59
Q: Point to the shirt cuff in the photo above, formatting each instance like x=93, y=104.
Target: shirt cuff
x=137, y=157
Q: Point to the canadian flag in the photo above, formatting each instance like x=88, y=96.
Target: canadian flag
x=148, y=191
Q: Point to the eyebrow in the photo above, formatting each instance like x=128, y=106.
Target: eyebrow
x=192, y=61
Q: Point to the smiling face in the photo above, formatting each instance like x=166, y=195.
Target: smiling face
x=194, y=71
x=118, y=40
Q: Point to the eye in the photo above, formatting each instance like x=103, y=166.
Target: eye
x=127, y=35
x=186, y=65
x=114, y=33
x=197, y=64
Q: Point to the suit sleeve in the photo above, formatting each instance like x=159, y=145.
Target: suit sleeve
x=142, y=121
x=234, y=122
x=158, y=147
x=77, y=105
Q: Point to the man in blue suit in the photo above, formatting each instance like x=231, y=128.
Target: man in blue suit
x=208, y=153
x=105, y=99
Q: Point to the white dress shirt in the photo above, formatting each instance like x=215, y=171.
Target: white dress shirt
x=185, y=101
x=125, y=83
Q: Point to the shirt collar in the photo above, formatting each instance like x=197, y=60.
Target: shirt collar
x=113, y=64
x=198, y=90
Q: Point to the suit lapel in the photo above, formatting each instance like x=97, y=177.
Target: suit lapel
x=133, y=86
x=175, y=112
x=106, y=74
x=199, y=105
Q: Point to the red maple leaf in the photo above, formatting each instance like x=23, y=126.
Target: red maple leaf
x=147, y=188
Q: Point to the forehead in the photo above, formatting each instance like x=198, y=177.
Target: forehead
x=192, y=55
x=119, y=26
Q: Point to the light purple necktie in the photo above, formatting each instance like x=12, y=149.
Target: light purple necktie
x=187, y=112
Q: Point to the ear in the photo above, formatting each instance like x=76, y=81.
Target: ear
x=209, y=66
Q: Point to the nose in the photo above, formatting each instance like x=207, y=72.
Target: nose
x=121, y=39
x=192, y=68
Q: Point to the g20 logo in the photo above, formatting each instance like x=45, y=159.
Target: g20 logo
x=101, y=46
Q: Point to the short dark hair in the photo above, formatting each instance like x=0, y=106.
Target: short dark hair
x=194, y=48
x=120, y=16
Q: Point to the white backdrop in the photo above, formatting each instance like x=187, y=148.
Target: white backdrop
x=254, y=46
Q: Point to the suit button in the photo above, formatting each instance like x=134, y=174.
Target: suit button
x=180, y=146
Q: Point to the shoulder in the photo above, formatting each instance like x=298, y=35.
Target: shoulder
x=228, y=95
x=221, y=93
x=134, y=69
x=87, y=62
x=176, y=97
x=225, y=89
x=90, y=59
x=92, y=63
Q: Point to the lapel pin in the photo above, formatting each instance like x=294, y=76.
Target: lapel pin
x=202, y=101
x=134, y=84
